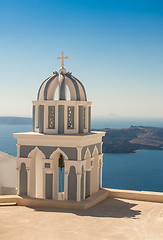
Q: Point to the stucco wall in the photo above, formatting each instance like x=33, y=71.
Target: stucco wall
x=91, y=148
x=70, y=152
x=8, y=172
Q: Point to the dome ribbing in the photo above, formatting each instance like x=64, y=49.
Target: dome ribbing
x=62, y=79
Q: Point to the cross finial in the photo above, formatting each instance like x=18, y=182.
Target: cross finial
x=62, y=59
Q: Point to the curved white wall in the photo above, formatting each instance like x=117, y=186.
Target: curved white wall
x=8, y=172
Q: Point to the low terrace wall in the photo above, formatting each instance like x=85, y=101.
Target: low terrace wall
x=135, y=195
x=95, y=198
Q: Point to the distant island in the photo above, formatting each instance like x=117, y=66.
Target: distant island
x=128, y=140
x=125, y=140
x=15, y=120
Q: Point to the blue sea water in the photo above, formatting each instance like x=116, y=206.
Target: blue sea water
x=142, y=170
x=7, y=141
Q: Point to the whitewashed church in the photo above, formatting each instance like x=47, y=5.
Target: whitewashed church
x=61, y=159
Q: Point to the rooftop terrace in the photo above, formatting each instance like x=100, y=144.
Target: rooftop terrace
x=113, y=218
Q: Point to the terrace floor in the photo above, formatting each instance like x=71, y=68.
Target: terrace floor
x=113, y=218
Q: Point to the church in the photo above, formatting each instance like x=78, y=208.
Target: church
x=62, y=158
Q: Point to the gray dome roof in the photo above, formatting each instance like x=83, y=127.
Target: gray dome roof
x=61, y=79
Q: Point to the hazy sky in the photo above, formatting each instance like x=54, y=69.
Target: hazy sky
x=114, y=47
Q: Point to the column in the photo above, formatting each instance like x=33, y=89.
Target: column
x=88, y=177
x=79, y=150
x=81, y=120
x=28, y=181
x=98, y=167
x=18, y=150
x=18, y=179
x=78, y=186
x=101, y=164
x=101, y=147
x=66, y=185
x=84, y=184
x=44, y=185
x=61, y=119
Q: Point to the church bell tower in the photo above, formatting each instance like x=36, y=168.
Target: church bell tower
x=62, y=158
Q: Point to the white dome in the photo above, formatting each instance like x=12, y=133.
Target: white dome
x=61, y=79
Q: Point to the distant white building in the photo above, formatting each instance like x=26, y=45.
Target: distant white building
x=61, y=135
x=8, y=174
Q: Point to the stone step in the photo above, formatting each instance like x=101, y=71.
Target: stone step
x=8, y=204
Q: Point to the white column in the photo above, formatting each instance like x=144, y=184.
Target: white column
x=36, y=116
x=101, y=164
x=101, y=146
x=44, y=184
x=79, y=186
x=28, y=181
x=55, y=176
x=67, y=170
x=79, y=150
x=18, y=180
x=98, y=167
x=66, y=185
x=84, y=184
x=18, y=150
x=52, y=186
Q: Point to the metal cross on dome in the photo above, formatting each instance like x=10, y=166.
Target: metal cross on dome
x=62, y=53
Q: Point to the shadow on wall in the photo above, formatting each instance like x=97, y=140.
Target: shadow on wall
x=110, y=207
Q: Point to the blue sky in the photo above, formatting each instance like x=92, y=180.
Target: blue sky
x=114, y=47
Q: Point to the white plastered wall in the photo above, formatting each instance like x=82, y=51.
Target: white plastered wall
x=8, y=173
x=35, y=175
x=77, y=141
x=92, y=164
x=39, y=174
x=94, y=172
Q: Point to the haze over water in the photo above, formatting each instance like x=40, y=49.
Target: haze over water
x=125, y=122
x=8, y=143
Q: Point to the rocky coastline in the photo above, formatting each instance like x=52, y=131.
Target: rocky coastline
x=129, y=140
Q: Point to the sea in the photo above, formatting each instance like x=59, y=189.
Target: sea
x=142, y=171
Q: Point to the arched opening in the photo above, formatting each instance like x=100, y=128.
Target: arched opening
x=82, y=183
x=88, y=172
x=72, y=184
x=56, y=94
x=61, y=177
x=48, y=185
x=23, y=179
x=68, y=95
x=58, y=176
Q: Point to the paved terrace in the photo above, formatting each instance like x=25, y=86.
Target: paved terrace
x=113, y=218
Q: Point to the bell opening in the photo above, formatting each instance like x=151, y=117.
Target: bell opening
x=68, y=95
x=61, y=171
x=56, y=94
